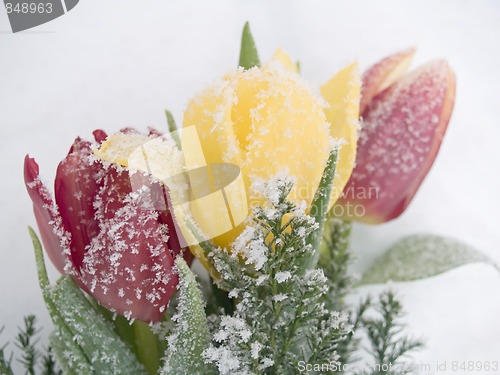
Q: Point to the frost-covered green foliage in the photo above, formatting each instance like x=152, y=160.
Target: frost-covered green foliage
x=284, y=317
x=389, y=345
x=271, y=314
x=190, y=337
x=279, y=318
x=34, y=360
x=335, y=259
x=420, y=256
x=383, y=328
x=83, y=341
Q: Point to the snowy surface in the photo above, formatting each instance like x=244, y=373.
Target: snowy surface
x=114, y=64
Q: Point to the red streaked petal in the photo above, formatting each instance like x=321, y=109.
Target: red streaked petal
x=129, y=130
x=161, y=198
x=383, y=74
x=402, y=132
x=75, y=189
x=128, y=267
x=155, y=132
x=99, y=135
x=54, y=238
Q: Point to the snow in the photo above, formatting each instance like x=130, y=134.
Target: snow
x=281, y=277
x=251, y=245
x=103, y=66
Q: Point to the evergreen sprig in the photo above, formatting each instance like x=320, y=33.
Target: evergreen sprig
x=5, y=363
x=389, y=345
x=335, y=259
x=26, y=341
x=34, y=360
x=279, y=318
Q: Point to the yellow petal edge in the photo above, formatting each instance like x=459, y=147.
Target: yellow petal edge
x=342, y=93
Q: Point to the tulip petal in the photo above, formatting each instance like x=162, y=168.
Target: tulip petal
x=158, y=157
x=281, y=127
x=383, y=74
x=281, y=60
x=154, y=132
x=54, y=237
x=99, y=135
x=211, y=113
x=128, y=267
x=265, y=122
x=75, y=190
x=342, y=94
x=402, y=132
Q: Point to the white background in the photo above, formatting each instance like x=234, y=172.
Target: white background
x=120, y=63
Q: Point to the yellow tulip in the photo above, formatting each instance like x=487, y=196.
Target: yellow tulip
x=267, y=120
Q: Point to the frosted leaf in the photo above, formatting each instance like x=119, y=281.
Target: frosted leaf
x=69, y=359
x=421, y=256
x=191, y=336
x=91, y=332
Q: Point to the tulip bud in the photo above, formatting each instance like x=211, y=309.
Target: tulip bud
x=107, y=229
x=403, y=125
x=264, y=121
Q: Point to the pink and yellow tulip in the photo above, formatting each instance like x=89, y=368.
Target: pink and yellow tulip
x=404, y=120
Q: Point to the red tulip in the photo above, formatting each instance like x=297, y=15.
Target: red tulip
x=404, y=121
x=117, y=241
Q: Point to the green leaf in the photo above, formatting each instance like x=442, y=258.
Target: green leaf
x=191, y=335
x=72, y=355
x=421, y=256
x=59, y=348
x=249, y=56
x=92, y=332
x=89, y=343
x=319, y=208
x=43, y=278
x=172, y=128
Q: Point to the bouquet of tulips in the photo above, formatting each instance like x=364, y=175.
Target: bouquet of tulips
x=222, y=247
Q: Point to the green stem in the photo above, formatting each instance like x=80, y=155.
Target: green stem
x=319, y=209
x=146, y=346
